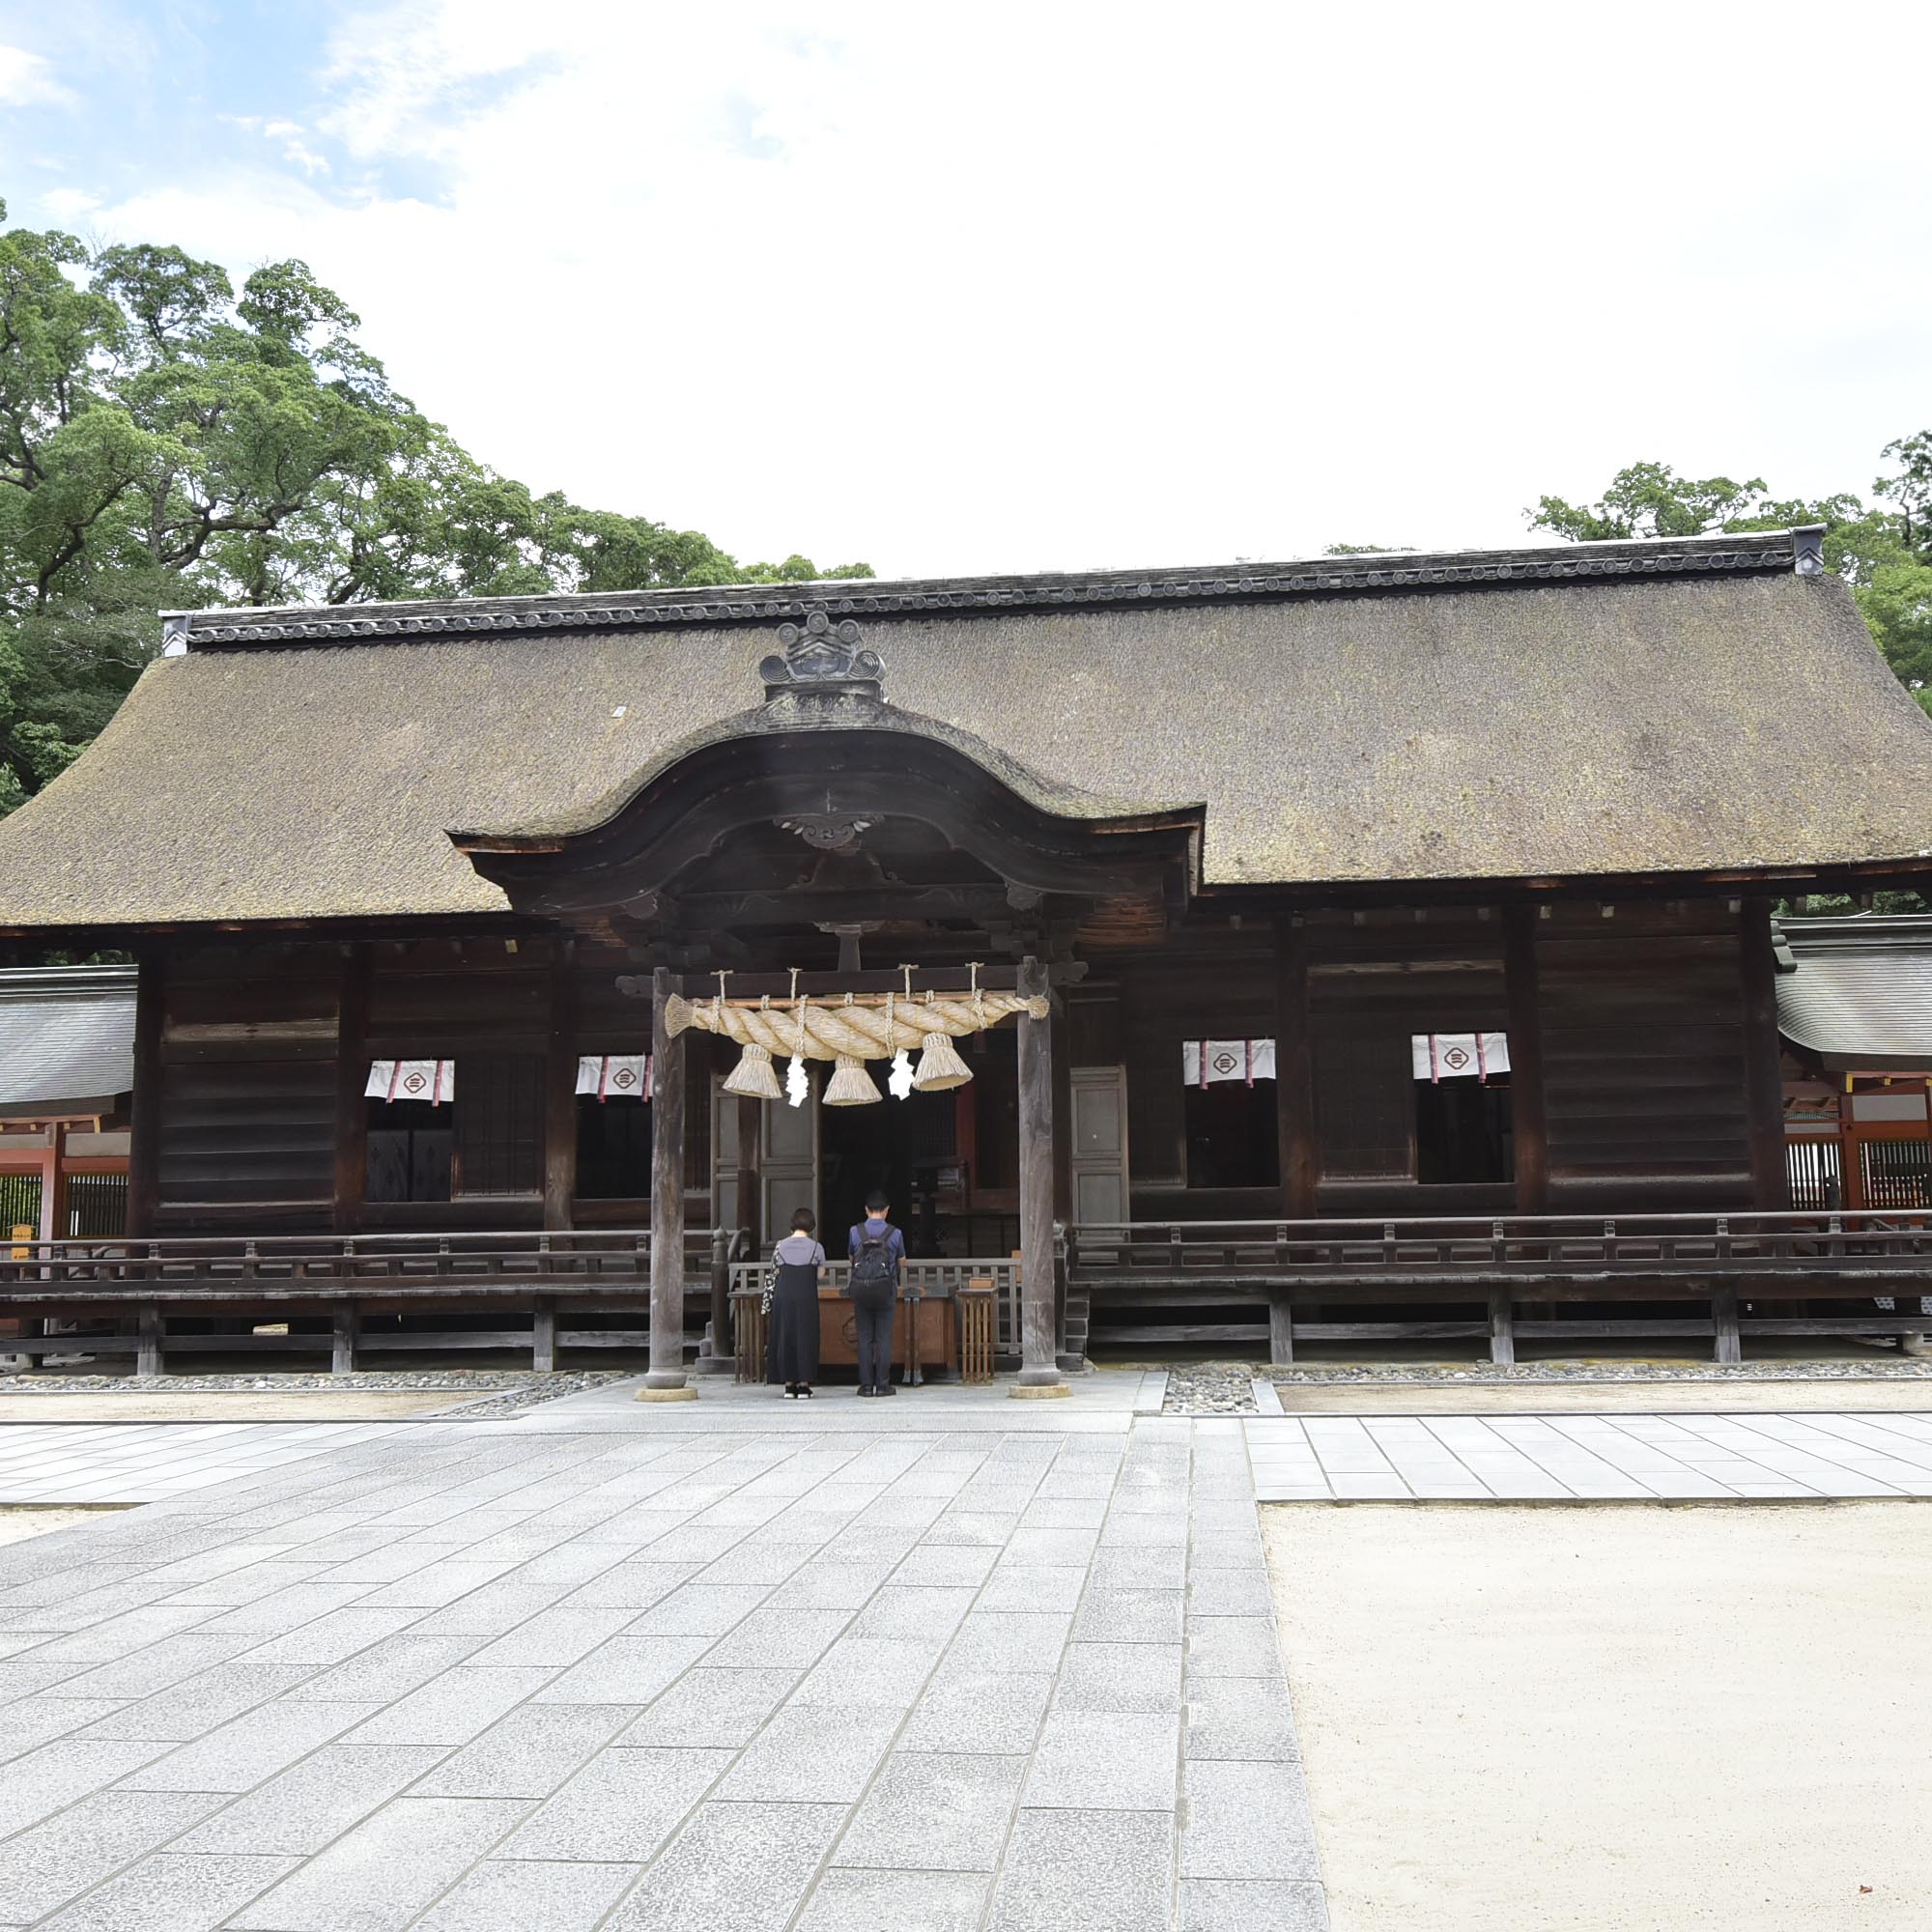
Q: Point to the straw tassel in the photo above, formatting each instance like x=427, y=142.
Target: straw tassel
x=754, y=1076
x=940, y=1066
x=850, y=1085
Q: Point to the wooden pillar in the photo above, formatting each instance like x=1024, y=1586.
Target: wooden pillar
x=1764, y=1084
x=1529, y=1126
x=1280, y=1328
x=149, y=1358
x=345, y=1326
x=1502, y=1317
x=1040, y=1370
x=667, y=1378
x=144, y=1141
x=1300, y=1151
x=1728, y=1337
x=543, y=1335
x=560, y=1093
x=53, y=1184
x=351, y=1078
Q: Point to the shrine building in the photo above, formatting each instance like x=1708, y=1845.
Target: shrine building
x=1268, y=955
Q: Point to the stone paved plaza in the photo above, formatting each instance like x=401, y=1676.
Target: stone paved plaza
x=1596, y=1458
x=954, y=1661
x=944, y=1664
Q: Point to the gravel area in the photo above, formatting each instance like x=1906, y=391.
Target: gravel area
x=479, y=1379
x=500, y=1392
x=1322, y=1375
x=1210, y=1388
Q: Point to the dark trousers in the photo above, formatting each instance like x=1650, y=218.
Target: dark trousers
x=875, y=1344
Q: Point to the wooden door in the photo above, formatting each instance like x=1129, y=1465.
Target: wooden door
x=1100, y=1097
x=788, y=1160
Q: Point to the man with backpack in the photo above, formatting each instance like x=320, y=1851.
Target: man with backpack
x=879, y=1253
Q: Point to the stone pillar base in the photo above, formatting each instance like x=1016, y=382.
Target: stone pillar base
x=683, y=1392
x=1036, y=1391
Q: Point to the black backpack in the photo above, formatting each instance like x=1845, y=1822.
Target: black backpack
x=874, y=1277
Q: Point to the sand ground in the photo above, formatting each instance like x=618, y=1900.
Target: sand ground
x=1629, y=1720
x=17, y=1524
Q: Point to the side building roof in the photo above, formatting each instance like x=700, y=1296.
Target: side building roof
x=1571, y=713
x=1856, y=993
x=66, y=1038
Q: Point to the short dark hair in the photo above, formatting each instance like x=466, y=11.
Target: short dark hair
x=804, y=1221
x=877, y=1201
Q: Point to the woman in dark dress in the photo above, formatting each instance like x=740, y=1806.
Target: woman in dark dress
x=791, y=1333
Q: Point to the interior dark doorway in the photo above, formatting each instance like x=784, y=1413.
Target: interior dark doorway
x=910, y=1148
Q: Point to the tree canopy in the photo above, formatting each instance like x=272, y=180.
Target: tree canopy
x=167, y=443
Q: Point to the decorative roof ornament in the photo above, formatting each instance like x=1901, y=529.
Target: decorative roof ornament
x=820, y=656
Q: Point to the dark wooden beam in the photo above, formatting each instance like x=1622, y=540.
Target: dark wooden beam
x=822, y=985
x=1299, y=1148
x=560, y=1094
x=1529, y=1125
x=1764, y=1087
x=666, y=1372
x=144, y=1141
x=351, y=1076
x=1039, y=1365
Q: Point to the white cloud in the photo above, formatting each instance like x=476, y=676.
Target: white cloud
x=1030, y=287
x=70, y=204
x=289, y=137
x=27, y=81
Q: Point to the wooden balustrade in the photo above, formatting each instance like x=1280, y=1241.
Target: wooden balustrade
x=271, y=1267
x=1438, y=1251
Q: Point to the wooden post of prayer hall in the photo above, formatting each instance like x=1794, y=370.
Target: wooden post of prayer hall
x=667, y=1382
x=1039, y=1368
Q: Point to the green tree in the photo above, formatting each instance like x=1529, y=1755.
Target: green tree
x=166, y=442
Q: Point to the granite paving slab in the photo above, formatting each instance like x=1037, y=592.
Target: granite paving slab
x=603, y=1665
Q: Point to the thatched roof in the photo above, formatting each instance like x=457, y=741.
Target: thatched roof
x=1569, y=713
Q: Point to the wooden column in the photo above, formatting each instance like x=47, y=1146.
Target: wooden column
x=1300, y=1152
x=667, y=1378
x=1502, y=1317
x=1727, y=1338
x=1529, y=1126
x=149, y=1358
x=1039, y=1371
x=144, y=1140
x=53, y=1184
x=560, y=1093
x=346, y=1327
x=1281, y=1326
x=352, y=1077
x=1763, y=1086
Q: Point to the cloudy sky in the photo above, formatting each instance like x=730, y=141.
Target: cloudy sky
x=1048, y=284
